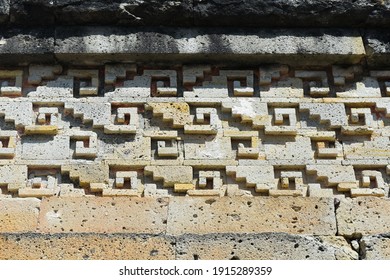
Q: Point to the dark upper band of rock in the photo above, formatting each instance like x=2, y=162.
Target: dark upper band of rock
x=187, y=13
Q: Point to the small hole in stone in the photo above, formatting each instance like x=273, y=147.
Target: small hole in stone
x=154, y=252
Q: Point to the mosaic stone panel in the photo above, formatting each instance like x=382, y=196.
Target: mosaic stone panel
x=194, y=130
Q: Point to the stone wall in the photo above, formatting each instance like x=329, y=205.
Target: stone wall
x=126, y=134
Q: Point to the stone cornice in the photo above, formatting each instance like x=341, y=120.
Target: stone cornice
x=244, y=46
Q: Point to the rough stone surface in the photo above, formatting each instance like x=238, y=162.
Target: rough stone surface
x=95, y=45
x=265, y=246
x=85, y=247
x=92, y=246
x=4, y=10
x=377, y=45
x=254, y=13
x=98, y=43
x=375, y=247
x=32, y=45
x=19, y=215
x=103, y=215
x=245, y=215
x=194, y=129
x=123, y=12
x=363, y=216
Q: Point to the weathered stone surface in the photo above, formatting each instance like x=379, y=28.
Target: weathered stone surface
x=19, y=215
x=375, y=247
x=103, y=215
x=32, y=12
x=250, y=45
x=20, y=45
x=118, y=12
x=254, y=13
x=292, y=13
x=251, y=215
x=4, y=10
x=377, y=45
x=363, y=216
x=264, y=246
x=85, y=247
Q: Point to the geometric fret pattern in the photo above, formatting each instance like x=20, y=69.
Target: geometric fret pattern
x=196, y=130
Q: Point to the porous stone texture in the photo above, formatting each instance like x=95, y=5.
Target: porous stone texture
x=377, y=45
x=363, y=216
x=93, y=246
x=245, y=215
x=103, y=215
x=375, y=247
x=35, y=45
x=85, y=247
x=265, y=246
x=189, y=45
x=19, y=215
x=195, y=124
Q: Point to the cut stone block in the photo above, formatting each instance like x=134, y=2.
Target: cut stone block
x=87, y=173
x=375, y=247
x=103, y=215
x=251, y=215
x=333, y=114
x=260, y=177
x=341, y=176
x=363, y=216
x=85, y=247
x=19, y=214
x=171, y=175
x=176, y=113
x=45, y=148
x=19, y=112
x=97, y=113
x=189, y=45
x=263, y=246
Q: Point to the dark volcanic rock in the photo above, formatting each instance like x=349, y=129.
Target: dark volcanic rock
x=238, y=13
x=377, y=43
x=292, y=13
x=4, y=10
x=32, y=12
x=20, y=46
x=101, y=12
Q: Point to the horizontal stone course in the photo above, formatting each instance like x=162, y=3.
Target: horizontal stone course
x=225, y=246
x=244, y=46
x=103, y=215
x=95, y=45
x=264, y=246
x=251, y=215
x=254, y=13
x=85, y=247
x=179, y=43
